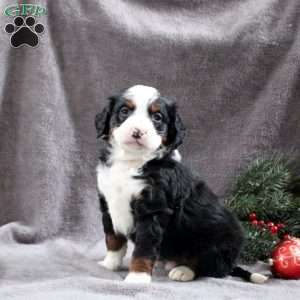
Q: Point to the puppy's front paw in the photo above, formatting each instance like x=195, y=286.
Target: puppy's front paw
x=182, y=273
x=111, y=262
x=138, y=277
x=110, y=265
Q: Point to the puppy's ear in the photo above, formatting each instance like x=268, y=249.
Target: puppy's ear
x=176, y=131
x=102, y=120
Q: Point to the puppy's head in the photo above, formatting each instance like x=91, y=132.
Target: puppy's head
x=140, y=121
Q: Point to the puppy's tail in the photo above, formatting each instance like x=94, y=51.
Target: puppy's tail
x=248, y=276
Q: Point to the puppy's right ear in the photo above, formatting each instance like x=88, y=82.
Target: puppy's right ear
x=102, y=120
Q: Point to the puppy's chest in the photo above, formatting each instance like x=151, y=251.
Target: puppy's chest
x=119, y=188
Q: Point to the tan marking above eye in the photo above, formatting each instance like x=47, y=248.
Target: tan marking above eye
x=154, y=107
x=130, y=104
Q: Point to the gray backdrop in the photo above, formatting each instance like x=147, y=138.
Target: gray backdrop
x=233, y=67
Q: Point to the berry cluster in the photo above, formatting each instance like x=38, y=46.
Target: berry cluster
x=273, y=228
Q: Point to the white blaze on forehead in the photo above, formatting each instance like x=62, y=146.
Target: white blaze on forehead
x=141, y=94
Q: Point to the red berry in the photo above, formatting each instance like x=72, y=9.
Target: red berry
x=280, y=225
x=270, y=224
x=274, y=229
x=261, y=223
x=254, y=222
x=252, y=216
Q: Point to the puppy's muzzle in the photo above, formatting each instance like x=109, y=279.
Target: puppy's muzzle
x=137, y=133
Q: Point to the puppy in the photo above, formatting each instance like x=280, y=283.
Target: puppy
x=147, y=195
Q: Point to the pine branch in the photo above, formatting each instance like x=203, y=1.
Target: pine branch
x=263, y=188
x=258, y=245
x=270, y=187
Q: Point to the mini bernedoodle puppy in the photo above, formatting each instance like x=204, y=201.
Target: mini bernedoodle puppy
x=147, y=195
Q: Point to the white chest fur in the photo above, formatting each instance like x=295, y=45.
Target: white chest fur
x=118, y=186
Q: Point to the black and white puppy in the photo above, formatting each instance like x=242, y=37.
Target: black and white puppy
x=147, y=195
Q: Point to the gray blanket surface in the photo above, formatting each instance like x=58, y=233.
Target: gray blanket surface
x=233, y=67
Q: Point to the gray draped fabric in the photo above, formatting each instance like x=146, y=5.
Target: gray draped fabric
x=233, y=67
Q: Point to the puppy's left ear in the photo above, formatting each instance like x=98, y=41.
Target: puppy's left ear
x=176, y=131
x=102, y=120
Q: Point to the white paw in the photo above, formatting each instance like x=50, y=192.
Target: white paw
x=138, y=277
x=112, y=260
x=109, y=264
x=258, y=278
x=182, y=273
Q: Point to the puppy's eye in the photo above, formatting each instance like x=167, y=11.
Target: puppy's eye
x=124, y=111
x=157, y=117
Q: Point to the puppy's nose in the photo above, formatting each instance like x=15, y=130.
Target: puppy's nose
x=137, y=133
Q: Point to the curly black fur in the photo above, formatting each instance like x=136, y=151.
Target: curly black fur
x=180, y=217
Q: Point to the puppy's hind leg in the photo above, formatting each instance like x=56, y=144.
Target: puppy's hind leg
x=182, y=273
x=183, y=269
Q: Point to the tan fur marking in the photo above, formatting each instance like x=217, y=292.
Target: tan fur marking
x=130, y=104
x=140, y=264
x=154, y=107
x=164, y=140
x=114, y=242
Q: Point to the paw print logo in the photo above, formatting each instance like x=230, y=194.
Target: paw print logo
x=24, y=32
